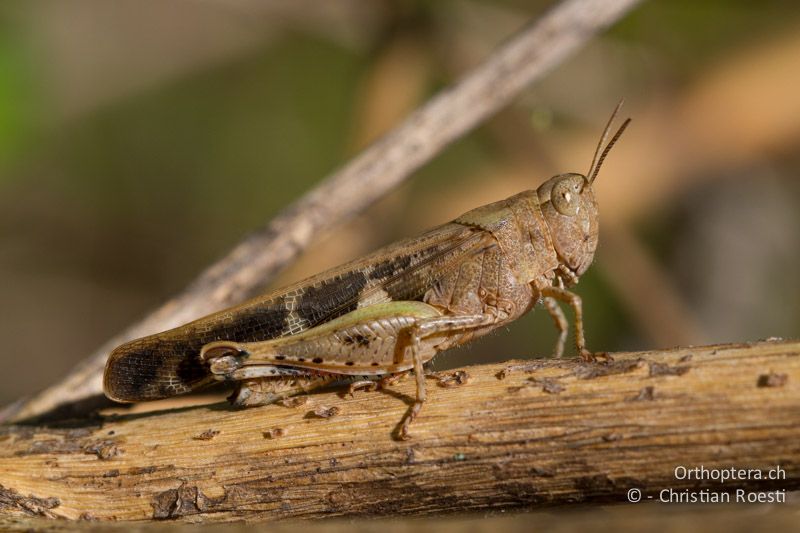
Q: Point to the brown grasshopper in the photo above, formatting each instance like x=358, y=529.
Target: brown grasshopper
x=384, y=315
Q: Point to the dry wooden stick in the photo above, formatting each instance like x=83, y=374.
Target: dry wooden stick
x=515, y=435
x=382, y=166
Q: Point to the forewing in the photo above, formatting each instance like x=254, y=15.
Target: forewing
x=167, y=363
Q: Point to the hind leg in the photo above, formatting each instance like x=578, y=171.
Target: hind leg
x=423, y=329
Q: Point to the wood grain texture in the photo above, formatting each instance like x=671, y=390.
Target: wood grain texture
x=382, y=166
x=549, y=432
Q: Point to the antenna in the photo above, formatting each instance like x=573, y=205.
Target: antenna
x=610, y=145
x=601, y=153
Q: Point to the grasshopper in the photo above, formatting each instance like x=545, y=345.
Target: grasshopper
x=387, y=314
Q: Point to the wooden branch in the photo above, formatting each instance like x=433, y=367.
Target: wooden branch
x=531, y=53
x=515, y=435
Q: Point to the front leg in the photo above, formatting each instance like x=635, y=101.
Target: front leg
x=574, y=301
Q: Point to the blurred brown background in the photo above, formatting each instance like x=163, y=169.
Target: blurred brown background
x=139, y=140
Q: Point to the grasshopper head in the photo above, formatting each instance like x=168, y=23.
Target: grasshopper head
x=569, y=207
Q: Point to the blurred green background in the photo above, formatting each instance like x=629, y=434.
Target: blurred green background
x=140, y=140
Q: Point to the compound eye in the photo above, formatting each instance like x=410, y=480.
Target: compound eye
x=565, y=196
